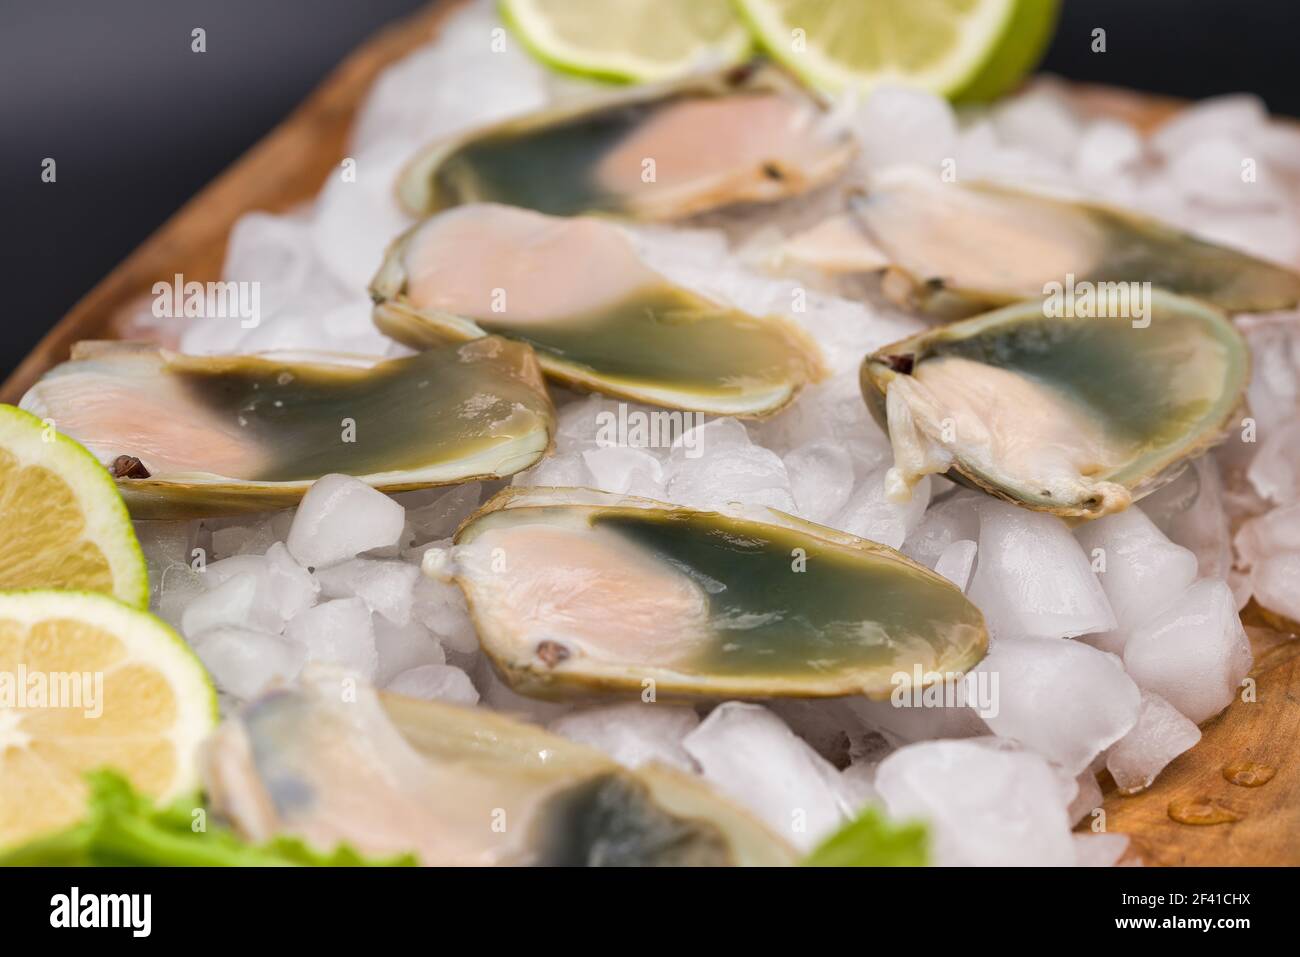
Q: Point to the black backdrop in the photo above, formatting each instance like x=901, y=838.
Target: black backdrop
x=138, y=124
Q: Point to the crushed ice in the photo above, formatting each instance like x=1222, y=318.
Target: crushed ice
x=1111, y=641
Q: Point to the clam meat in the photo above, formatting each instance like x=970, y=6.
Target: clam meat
x=1076, y=416
x=329, y=760
x=601, y=320
x=954, y=250
x=655, y=152
x=199, y=435
x=575, y=591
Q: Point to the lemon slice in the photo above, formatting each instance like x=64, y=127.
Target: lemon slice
x=87, y=682
x=629, y=41
x=962, y=49
x=62, y=522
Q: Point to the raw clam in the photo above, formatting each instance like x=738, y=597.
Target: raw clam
x=458, y=786
x=209, y=434
x=655, y=152
x=956, y=250
x=1075, y=416
x=600, y=319
x=574, y=590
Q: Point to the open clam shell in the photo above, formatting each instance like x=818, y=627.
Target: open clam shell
x=623, y=330
x=653, y=152
x=1076, y=416
x=574, y=590
x=458, y=786
x=955, y=250
x=201, y=435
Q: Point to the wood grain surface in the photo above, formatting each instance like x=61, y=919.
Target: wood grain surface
x=1217, y=784
x=1258, y=825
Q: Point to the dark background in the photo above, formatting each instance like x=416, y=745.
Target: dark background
x=138, y=124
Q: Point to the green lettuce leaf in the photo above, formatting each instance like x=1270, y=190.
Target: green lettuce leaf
x=869, y=840
x=124, y=829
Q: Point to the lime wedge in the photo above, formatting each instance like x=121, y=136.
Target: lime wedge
x=629, y=41
x=88, y=682
x=962, y=49
x=62, y=522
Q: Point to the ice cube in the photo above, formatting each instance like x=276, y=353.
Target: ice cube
x=1269, y=535
x=423, y=96
x=292, y=587
x=435, y=683
x=634, y=732
x=1061, y=698
x=282, y=584
x=1106, y=149
x=403, y=647
x=1278, y=144
x=1139, y=568
x=1274, y=472
x=164, y=544
x=244, y=662
x=275, y=252
x=821, y=478
x=900, y=125
x=356, y=214
x=582, y=423
x=1099, y=850
x=1032, y=579
x=1194, y=652
x=957, y=561
x=1214, y=171
x=341, y=517
x=387, y=588
x=870, y=515
x=178, y=585
x=241, y=601
x=440, y=517
x=440, y=607
x=986, y=806
x=858, y=786
x=1190, y=511
x=1160, y=735
x=829, y=725
x=1040, y=120
x=216, y=573
x=1275, y=582
x=749, y=754
x=949, y=520
x=1230, y=116
x=625, y=470
x=337, y=632
x=233, y=540
x=902, y=722
x=1088, y=799
x=749, y=474
x=562, y=470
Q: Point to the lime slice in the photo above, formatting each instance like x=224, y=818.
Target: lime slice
x=629, y=41
x=62, y=522
x=87, y=682
x=962, y=49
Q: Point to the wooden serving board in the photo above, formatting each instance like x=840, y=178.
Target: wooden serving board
x=290, y=165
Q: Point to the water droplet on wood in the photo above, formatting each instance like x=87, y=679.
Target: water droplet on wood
x=1248, y=774
x=1201, y=811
